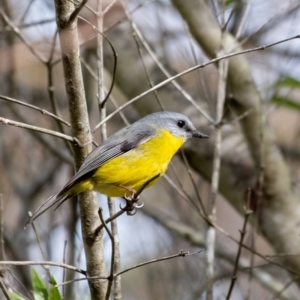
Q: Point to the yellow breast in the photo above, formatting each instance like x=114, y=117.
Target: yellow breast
x=133, y=168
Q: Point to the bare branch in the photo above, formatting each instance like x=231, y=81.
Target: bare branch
x=41, y=248
x=184, y=93
x=243, y=232
x=43, y=111
x=16, y=30
x=38, y=129
x=211, y=235
x=196, y=238
x=112, y=261
x=181, y=254
x=76, y=11
x=161, y=84
x=42, y=263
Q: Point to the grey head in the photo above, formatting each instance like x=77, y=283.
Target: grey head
x=176, y=123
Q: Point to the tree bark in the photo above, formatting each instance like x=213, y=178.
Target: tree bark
x=81, y=131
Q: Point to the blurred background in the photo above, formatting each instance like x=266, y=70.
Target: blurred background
x=155, y=40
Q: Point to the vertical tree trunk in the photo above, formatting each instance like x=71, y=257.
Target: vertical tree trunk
x=81, y=131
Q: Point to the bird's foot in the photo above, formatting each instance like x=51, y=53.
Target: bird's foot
x=131, y=206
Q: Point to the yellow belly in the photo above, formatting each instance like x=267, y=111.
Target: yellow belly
x=135, y=167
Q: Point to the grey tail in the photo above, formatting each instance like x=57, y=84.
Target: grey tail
x=56, y=200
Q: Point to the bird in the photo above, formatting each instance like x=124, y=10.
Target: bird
x=130, y=160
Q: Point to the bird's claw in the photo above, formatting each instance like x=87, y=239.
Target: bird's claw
x=140, y=206
x=131, y=206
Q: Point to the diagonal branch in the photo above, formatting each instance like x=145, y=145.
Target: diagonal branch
x=42, y=110
x=187, y=71
x=38, y=129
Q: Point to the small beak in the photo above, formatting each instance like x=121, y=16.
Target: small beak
x=198, y=134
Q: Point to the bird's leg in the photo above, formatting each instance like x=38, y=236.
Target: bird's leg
x=131, y=201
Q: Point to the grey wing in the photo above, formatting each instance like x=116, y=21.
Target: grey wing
x=121, y=142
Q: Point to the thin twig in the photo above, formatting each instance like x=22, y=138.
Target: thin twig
x=50, y=87
x=24, y=15
x=193, y=182
x=100, y=67
x=43, y=111
x=243, y=21
x=108, y=220
x=116, y=266
x=211, y=234
x=252, y=246
x=181, y=254
x=242, y=232
x=112, y=260
x=82, y=279
x=76, y=12
x=64, y=270
x=163, y=83
x=137, y=194
x=276, y=15
x=104, y=99
x=184, y=195
x=44, y=140
x=137, y=40
x=131, y=12
x=287, y=285
x=113, y=100
x=42, y=263
x=284, y=267
x=4, y=289
x=41, y=248
x=17, y=31
x=196, y=238
x=125, y=209
x=38, y=129
x=31, y=24
x=2, y=252
x=184, y=93
x=238, y=118
x=108, y=7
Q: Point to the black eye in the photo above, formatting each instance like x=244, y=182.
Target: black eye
x=181, y=123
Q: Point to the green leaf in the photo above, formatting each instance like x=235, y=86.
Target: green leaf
x=39, y=288
x=15, y=296
x=289, y=82
x=287, y=102
x=54, y=293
